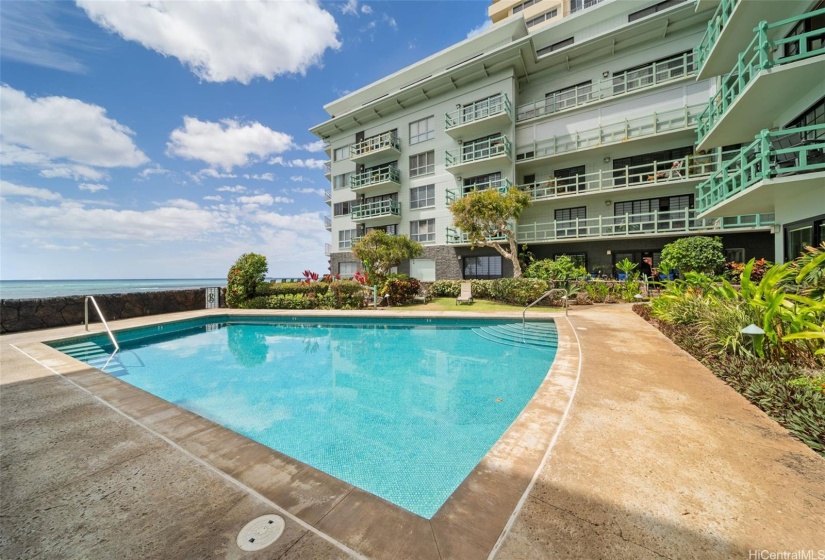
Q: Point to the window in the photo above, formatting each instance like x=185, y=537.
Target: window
x=482, y=108
x=659, y=213
x=341, y=153
x=345, y=238
x=566, y=221
x=482, y=267
x=423, y=231
x=519, y=7
x=555, y=46
x=481, y=148
x=482, y=182
x=423, y=269
x=570, y=179
x=642, y=165
x=422, y=164
x=348, y=269
x=814, y=42
x=576, y=5
x=341, y=181
x=391, y=229
x=422, y=197
x=342, y=208
x=653, y=9
x=735, y=255
x=542, y=18
x=422, y=130
x=661, y=70
x=567, y=97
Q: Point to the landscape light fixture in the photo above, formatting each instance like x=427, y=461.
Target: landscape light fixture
x=756, y=335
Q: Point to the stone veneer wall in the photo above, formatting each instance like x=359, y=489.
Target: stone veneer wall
x=29, y=314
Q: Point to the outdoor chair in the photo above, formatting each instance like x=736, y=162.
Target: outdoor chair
x=466, y=295
x=422, y=297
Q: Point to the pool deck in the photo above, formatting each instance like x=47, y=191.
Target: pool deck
x=629, y=449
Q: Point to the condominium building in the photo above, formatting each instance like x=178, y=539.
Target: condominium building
x=536, y=13
x=769, y=57
x=595, y=115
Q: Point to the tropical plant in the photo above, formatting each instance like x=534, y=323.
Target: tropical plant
x=244, y=277
x=488, y=214
x=695, y=254
x=560, y=268
x=380, y=252
x=627, y=267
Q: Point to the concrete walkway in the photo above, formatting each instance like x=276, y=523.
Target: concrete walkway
x=657, y=458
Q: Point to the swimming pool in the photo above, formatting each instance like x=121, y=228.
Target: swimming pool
x=401, y=408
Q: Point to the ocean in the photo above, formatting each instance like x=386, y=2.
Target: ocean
x=27, y=289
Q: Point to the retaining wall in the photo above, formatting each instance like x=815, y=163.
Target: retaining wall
x=29, y=314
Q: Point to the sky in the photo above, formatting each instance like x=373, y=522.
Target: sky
x=164, y=139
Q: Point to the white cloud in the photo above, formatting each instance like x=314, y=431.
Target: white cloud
x=350, y=8
x=309, y=163
x=479, y=29
x=214, y=198
x=11, y=189
x=76, y=172
x=390, y=21
x=299, y=179
x=264, y=200
x=317, y=146
x=154, y=170
x=226, y=144
x=92, y=187
x=366, y=9
x=58, y=128
x=261, y=177
x=235, y=189
x=307, y=190
x=225, y=40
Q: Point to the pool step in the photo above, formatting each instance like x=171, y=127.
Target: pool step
x=94, y=355
x=532, y=335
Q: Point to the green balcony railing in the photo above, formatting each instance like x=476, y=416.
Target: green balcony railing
x=479, y=151
x=375, y=209
x=387, y=140
x=762, y=53
x=771, y=154
x=642, y=224
x=652, y=75
x=501, y=185
x=455, y=236
x=375, y=176
x=715, y=26
x=632, y=176
x=479, y=110
x=629, y=129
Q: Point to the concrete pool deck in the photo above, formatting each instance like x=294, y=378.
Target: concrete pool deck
x=653, y=457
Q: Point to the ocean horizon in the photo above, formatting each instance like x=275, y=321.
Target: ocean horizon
x=33, y=289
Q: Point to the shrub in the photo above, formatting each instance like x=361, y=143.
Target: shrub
x=346, y=294
x=517, y=291
x=695, y=254
x=732, y=271
x=244, y=277
x=293, y=288
x=561, y=268
x=446, y=288
x=401, y=291
x=598, y=291
x=291, y=301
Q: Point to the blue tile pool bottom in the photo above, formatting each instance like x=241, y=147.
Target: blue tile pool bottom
x=401, y=408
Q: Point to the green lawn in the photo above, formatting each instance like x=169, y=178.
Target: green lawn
x=479, y=306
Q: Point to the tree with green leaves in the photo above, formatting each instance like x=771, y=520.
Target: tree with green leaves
x=695, y=254
x=243, y=278
x=484, y=215
x=380, y=252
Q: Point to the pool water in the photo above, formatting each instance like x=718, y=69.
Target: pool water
x=404, y=410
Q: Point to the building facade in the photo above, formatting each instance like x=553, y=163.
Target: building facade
x=594, y=115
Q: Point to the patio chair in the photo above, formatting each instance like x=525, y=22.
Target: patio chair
x=422, y=297
x=466, y=295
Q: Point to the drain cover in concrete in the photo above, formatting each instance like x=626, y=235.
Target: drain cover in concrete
x=261, y=532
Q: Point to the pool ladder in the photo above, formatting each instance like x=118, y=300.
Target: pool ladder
x=102, y=318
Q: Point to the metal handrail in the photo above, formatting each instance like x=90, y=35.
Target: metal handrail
x=544, y=295
x=102, y=318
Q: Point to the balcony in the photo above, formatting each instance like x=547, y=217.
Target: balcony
x=730, y=29
x=647, y=224
x=765, y=170
x=376, y=148
x=457, y=237
x=377, y=210
x=328, y=197
x=328, y=223
x=649, y=76
x=757, y=89
x=328, y=168
x=379, y=180
x=474, y=155
x=327, y=249
x=501, y=185
x=653, y=125
x=677, y=171
x=479, y=118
